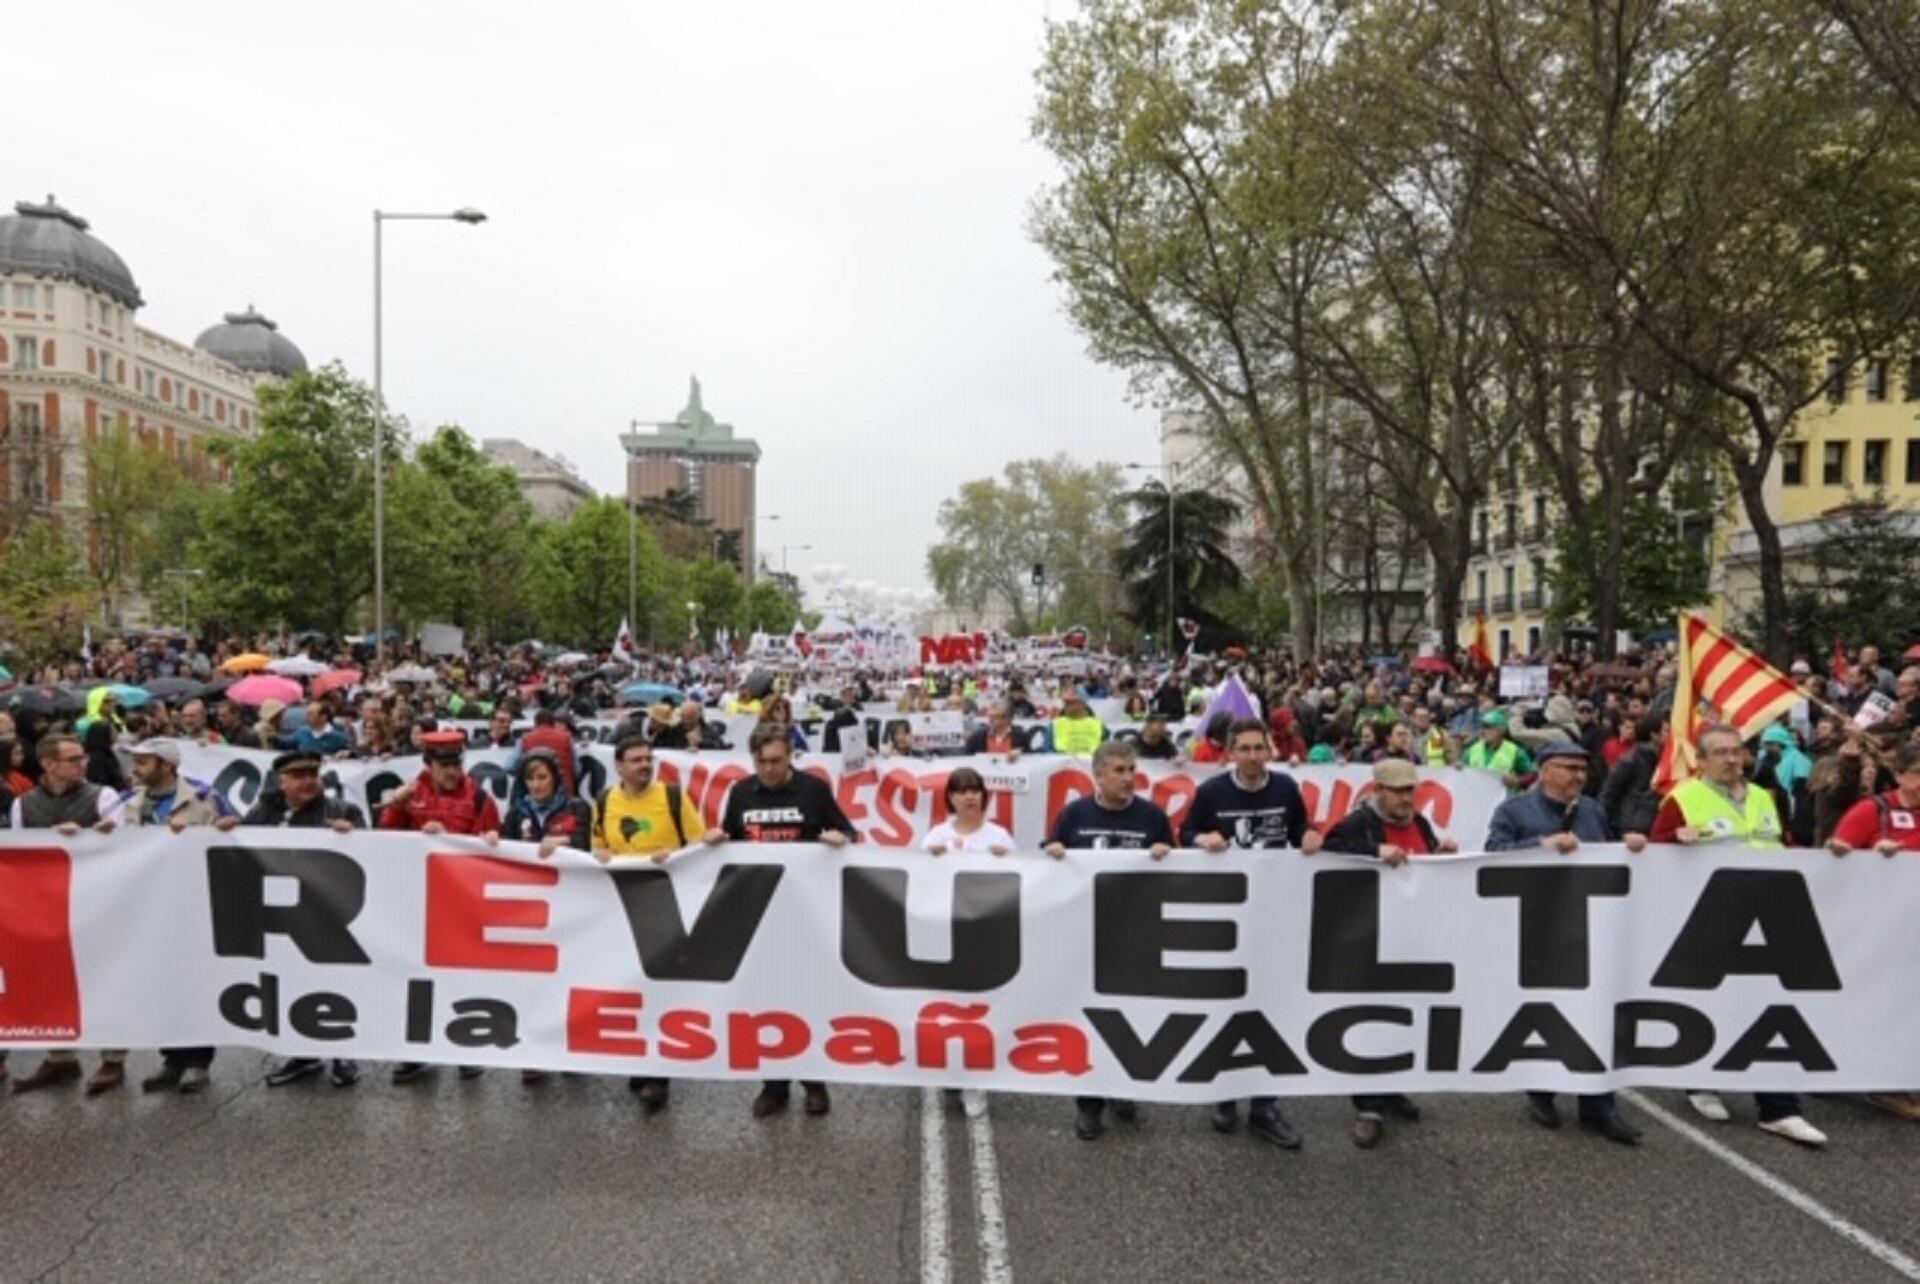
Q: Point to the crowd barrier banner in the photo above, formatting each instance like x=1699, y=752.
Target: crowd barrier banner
x=891, y=801
x=1197, y=978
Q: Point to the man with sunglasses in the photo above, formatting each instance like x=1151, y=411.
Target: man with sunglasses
x=65, y=801
x=780, y=805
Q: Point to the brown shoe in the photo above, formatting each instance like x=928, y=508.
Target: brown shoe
x=1903, y=1105
x=818, y=1102
x=109, y=1076
x=768, y=1103
x=46, y=1074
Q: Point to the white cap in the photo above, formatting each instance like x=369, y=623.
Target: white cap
x=166, y=749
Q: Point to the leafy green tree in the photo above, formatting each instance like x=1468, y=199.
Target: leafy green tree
x=767, y=608
x=45, y=596
x=290, y=541
x=715, y=591
x=1860, y=583
x=1659, y=575
x=1202, y=565
x=463, y=534
x=578, y=585
x=1053, y=513
x=129, y=484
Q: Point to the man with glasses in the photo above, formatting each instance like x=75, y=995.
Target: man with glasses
x=65, y=801
x=301, y=802
x=780, y=805
x=1557, y=814
x=1721, y=806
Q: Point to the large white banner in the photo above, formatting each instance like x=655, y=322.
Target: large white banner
x=1196, y=978
x=893, y=802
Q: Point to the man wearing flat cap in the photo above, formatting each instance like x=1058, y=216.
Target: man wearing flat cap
x=1558, y=815
x=301, y=802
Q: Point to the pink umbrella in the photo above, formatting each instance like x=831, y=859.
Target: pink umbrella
x=333, y=681
x=262, y=687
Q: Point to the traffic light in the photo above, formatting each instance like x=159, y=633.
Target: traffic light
x=1039, y=574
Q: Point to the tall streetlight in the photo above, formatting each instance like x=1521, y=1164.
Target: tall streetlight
x=1167, y=471
x=466, y=214
x=791, y=548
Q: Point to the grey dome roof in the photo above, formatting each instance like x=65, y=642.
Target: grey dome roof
x=255, y=344
x=52, y=241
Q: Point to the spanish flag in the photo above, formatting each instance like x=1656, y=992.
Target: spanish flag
x=1481, y=650
x=1719, y=681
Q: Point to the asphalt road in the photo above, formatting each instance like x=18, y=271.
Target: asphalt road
x=493, y=1180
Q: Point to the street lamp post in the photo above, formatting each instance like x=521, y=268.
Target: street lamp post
x=466, y=214
x=1167, y=471
x=794, y=548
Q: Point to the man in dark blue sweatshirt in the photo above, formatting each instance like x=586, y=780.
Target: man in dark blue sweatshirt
x=1249, y=807
x=1112, y=820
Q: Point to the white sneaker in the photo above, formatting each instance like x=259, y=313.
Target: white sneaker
x=1795, y=1128
x=1709, y=1106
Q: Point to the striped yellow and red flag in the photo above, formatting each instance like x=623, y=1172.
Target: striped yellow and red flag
x=1719, y=681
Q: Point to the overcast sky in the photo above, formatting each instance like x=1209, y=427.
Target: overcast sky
x=818, y=208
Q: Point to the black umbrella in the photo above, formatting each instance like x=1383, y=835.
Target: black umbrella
x=757, y=685
x=46, y=702
x=174, y=688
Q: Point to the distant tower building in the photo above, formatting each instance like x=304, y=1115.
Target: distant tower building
x=697, y=456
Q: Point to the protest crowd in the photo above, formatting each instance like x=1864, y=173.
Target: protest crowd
x=1582, y=749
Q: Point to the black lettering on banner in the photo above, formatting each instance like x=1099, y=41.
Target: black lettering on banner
x=1798, y=1044
x=1554, y=926
x=1713, y=944
x=1557, y=1040
x=1692, y=1035
x=1327, y=1039
x=1344, y=954
x=378, y=786
x=726, y=924
x=332, y=891
x=253, y=1006
x=1150, y=1060
x=493, y=778
x=1246, y=1041
x=483, y=1023
x=419, y=1011
x=238, y=782
x=322, y=1017
x=1132, y=934
x=985, y=922
x=1443, y=1039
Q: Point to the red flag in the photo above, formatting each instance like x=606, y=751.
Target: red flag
x=1839, y=661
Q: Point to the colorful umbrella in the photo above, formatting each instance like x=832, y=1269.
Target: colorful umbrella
x=251, y=662
x=297, y=666
x=130, y=697
x=262, y=687
x=175, y=688
x=412, y=673
x=46, y=702
x=335, y=679
x=1432, y=664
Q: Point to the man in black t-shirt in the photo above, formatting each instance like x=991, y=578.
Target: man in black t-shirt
x=1112, y=820
x=781, y=805
x=1249, y=807
x=1156, y=740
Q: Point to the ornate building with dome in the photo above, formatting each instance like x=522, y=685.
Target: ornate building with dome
x=75, y=365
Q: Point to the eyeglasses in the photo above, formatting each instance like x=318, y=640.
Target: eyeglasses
x=774, y=761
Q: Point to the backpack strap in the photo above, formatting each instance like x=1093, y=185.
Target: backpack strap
x=673, y=809
x=600, y=817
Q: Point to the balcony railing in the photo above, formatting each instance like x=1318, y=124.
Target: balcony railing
x=1537, y=533
x=1503, y=541
x=1502, y=604
x=1472, y=606
x=1479, y=546
x=1531, y=599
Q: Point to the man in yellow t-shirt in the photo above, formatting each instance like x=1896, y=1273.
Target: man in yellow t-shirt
x=636, y=816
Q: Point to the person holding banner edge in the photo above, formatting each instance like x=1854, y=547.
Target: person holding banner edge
x=1112, y=820
x=780, y=805
x=1251, y=806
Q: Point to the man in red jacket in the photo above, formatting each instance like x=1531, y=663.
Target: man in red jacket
x=442, y=799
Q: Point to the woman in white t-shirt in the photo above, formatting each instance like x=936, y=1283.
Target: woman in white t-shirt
x=967, y=828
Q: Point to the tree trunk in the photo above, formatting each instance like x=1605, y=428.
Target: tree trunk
x=1775, y=645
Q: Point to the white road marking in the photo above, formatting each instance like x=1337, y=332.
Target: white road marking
x=1779, y=1186
x=995, y=1265
x=936, y=1266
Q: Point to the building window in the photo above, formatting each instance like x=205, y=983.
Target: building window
x=1873, y=463
x=1836, y=380
x=1913, y=377
x=1480, y=588
x=1833, y=463
x=1877, y=379
x=46, y=297
x=1533, y=639
x=26, y=354
x=1913, y=461
x=23, y=296
x=1506, y=580
x=1540, y=510
x=1793, y=463
x=1506, y=643
x=1512, y=514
